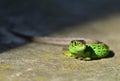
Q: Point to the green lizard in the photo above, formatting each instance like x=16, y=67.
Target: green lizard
x=82, y=48
x=87, y=50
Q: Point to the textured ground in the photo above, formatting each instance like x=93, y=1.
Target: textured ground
x=42, y=62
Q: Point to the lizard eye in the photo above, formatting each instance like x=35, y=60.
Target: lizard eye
x=75, y=43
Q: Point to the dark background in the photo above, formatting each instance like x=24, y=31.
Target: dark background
x=19, y=18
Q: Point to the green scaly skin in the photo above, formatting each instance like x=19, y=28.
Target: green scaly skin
x=87, y=51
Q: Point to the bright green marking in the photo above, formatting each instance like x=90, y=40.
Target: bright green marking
x=100, y=50
x=87, y=51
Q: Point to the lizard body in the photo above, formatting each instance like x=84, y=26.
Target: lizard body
x=87, y=50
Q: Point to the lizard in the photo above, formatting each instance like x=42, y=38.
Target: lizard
x=82, y=48
x=78, y=47
x=85, y=49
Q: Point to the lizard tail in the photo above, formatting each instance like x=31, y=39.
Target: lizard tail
x=58, y=41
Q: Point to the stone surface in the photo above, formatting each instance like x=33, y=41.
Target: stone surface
x=44, y=62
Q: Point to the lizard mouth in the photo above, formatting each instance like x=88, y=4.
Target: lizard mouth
x=78, y=49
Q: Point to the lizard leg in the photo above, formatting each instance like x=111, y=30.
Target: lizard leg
x=68, y=54
x=87, y=58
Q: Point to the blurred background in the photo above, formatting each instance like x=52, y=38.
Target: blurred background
x=19, y=18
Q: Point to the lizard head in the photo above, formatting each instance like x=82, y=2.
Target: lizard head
x=77, y=46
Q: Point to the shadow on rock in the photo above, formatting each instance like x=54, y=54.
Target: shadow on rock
x=110, y=55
